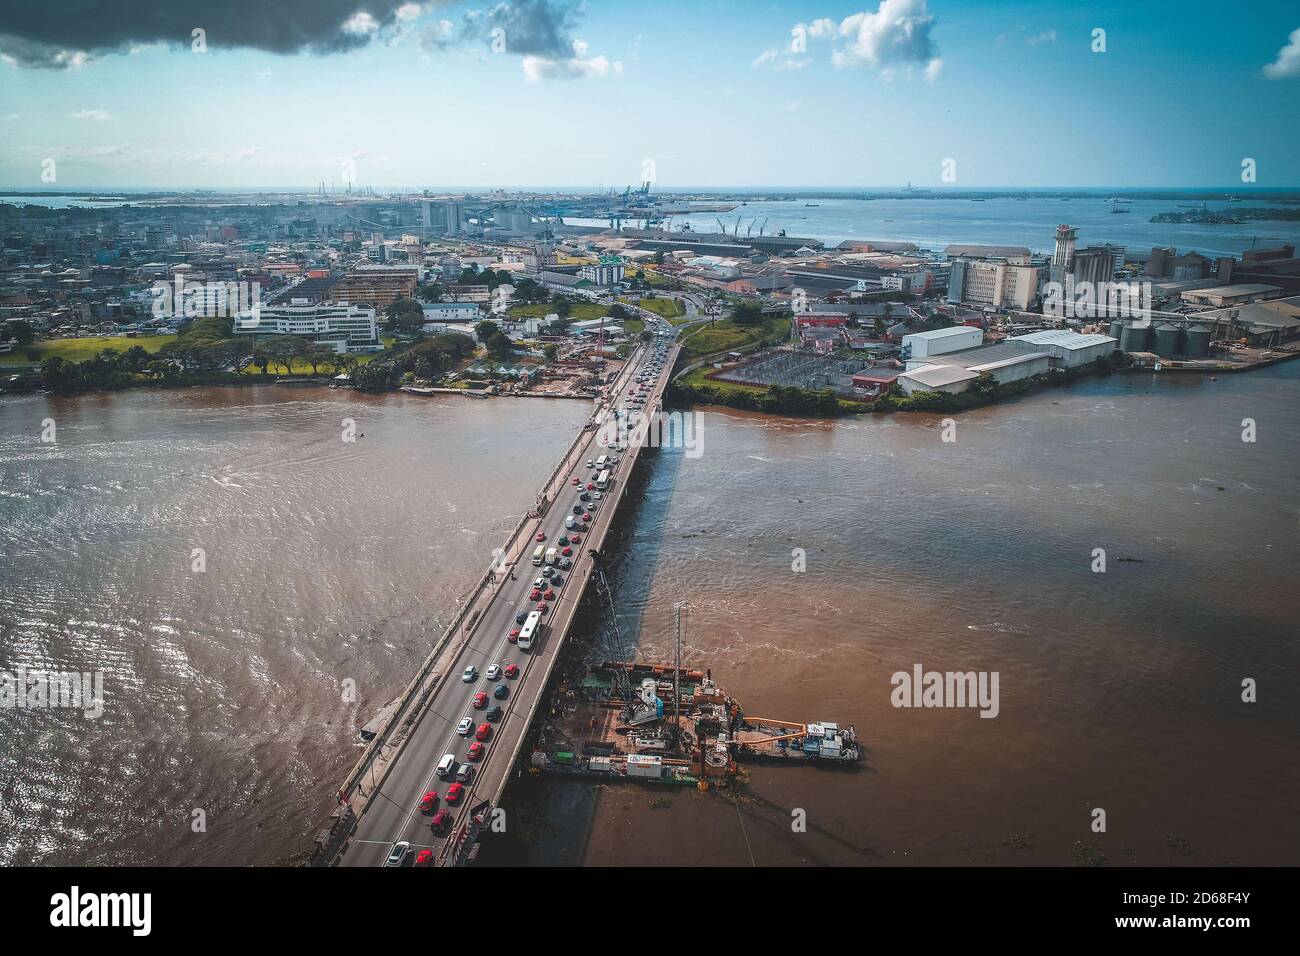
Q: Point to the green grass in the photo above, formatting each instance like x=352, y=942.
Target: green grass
x=580, y=312
x=80, y=350
x=664, y=308
x=700, y=376
x=725, y=336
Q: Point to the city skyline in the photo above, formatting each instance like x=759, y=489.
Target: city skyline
x=816, y=96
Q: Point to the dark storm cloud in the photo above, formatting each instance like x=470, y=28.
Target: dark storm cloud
x=51, y=33
x=527, y=28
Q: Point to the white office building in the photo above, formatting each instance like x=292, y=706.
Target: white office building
x=608, y=270
x=452, y=312
x=341, y=326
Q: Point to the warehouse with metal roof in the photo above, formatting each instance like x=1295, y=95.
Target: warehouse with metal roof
x=1068, y=349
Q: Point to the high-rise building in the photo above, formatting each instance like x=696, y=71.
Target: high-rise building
x=1095, y=265
x=1063, y=257
x=1007, y=284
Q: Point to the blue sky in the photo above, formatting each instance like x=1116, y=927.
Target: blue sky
x=710, y=91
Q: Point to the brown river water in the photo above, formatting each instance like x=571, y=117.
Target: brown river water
x=328, y=561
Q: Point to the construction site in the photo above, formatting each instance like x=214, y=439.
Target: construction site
x=667, y=724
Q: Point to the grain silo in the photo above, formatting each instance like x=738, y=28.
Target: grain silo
x=1196, y=341
x=1168, y=339
x=1134, y=337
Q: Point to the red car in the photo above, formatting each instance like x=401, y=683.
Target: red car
x=511, y=671
x=567, y=552
x=577, y=480
x=575, y=539
x=587, y=516
x=541, y=536
x=484, y=732
x=591, y=486
x=480, y=700
x=514, y=636
x=534, y=594
x=425, y=858
x=549, y=595
x=475, y=751
x=454, y=792
x=541, y=608
x=429, y=802
x=441, y=820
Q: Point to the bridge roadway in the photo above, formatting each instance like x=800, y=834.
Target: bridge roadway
x=391, y=812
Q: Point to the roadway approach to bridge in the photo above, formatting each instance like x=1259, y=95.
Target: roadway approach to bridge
x=380, y=802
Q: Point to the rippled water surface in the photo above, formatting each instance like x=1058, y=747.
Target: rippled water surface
x=329, y=560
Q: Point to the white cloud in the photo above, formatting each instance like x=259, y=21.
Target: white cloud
x=578, y=66
x=821, y=28
x=899, y=31
x=793, y=105
x=361, y=23
x=895, y=35
x=1287, y=63
x=777, y=61
x=9, y=117
x=100, y=116
x=1047, y=36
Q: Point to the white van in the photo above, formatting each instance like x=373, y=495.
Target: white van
x=445, y=766
x=551, y=555
x=571, y=523
x=601, y=462
x=538, y=552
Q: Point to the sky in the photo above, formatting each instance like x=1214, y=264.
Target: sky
x=248, y=94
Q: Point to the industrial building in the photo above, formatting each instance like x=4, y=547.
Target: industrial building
x=1001, y=284
x=1067, y=349
x=952, y=379
x=1226, y=295
x=920, y=345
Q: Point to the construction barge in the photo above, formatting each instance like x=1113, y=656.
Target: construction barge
x=667, y=725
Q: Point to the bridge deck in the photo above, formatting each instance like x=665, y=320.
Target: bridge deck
x=387, y=800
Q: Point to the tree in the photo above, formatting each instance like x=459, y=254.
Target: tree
x=747, y=313
x=550, y=350
x=430, y=292
x=21, y=332
x=658, y=258
x=484, y=328
x=405, y=316
x=499, y=346
x=563, y=308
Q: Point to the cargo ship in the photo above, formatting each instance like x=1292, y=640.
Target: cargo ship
x=662, y=724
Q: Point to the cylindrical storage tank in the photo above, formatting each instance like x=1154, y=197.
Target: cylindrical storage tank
x=1116, y=329
x=1168, y=339
x=1134, y=337
x=1196, y=342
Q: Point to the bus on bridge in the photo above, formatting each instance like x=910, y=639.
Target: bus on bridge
x=530, y=631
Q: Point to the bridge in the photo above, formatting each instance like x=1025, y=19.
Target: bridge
x=379, y=803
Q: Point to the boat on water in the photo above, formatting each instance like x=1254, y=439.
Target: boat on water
x=657, y=724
